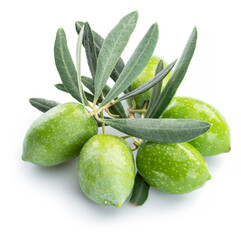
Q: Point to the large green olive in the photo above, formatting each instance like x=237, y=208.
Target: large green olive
x=217, y=139
x=172, y=168
x=147, y=74
x=58, y=135
x=106, y=170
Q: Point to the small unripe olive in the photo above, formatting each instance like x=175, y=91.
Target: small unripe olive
x=58, y=135
x=147, y=74
x=217, y=139
x=106, y=170
x=172, y=168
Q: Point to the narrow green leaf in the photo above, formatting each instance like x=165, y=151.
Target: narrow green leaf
x=78, y=64
x=144, y=87
x=43, y=104
x=65, y=65
x=118, y=109
x=89, y=96
x=90, y=49
x=176, y=78
x=98, y=41
x=61, y=87
x=140, y=191
x=160, y=130
x=89, y=83
x=99, y=123
x=111, y=50
x=136, y=63
x=156, y=90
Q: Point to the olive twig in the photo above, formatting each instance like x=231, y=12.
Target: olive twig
x=98, y=110
x=133, y=103
x=110, y=114
x=137, y=141
x=144, y=110
x=134, y=149
x=102, y=123
x=125, y=137
x=138, y=110
x=130, y=113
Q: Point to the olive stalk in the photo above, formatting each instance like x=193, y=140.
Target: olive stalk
x=144, y=109
x=125, y=137
x=102, y=123
x=133, y=103
x=98, y=110
x=138, y=110
x=110, y=114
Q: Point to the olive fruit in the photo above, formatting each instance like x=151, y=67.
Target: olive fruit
x=147, y=74
x=172, y=168
x=217, y=139
x=106, y=170
x=58, y=135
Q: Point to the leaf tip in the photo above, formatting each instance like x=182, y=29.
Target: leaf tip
x=60, y=30
x=134, y=205
x=134, y=13
x=195, y=30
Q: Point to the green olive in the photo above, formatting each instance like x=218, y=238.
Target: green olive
x=58, y=135
x=147, y=74
x=106, y=170
x=217, y=139
x=172, y=168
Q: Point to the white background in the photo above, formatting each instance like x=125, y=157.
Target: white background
x=47, y=203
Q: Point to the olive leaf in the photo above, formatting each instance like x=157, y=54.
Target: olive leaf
x=144, y=87
x=111, y=50
x=78, y=65
x=140, y=191
x=99, y=123
x=89, y=96
x=156, y=90
x=65, y=65
x=43, y=104
x=90, y=49
x=176, y=78
x=160, y=130
x=98, y=41
x=61, y=87
x=135, y=65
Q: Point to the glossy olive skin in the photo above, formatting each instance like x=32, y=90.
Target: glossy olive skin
x=106, y=170
x=58, y=135
x=172, y=168
x=213, y=142
x=147, y=74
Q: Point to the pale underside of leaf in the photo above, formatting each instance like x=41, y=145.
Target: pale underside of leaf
x=136, y=64
x=98, y=41
x=111, y=50
x=78, y=65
